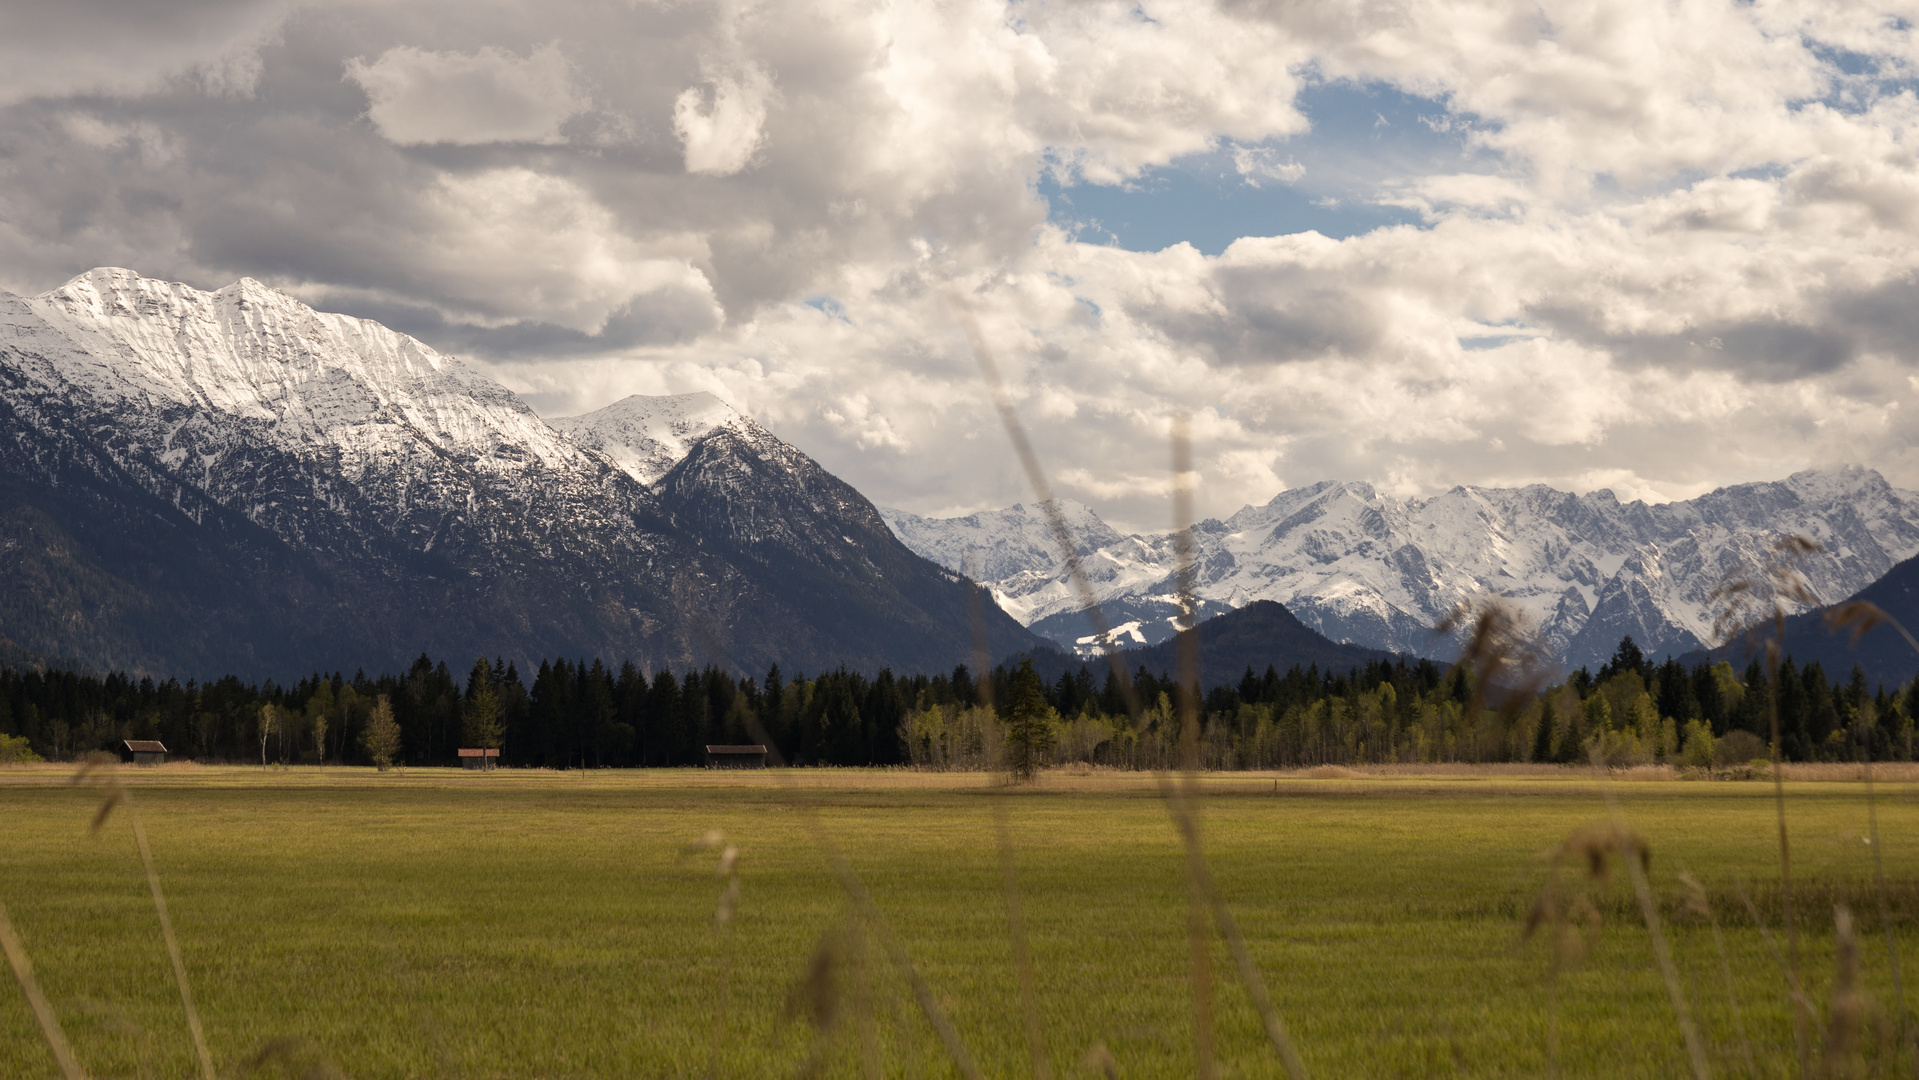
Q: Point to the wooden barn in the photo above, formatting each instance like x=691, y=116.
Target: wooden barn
x=736, y=757
x=479, y=758
x=146, y=751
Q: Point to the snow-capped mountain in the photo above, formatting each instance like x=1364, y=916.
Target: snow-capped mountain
x=1015, y=549
x=209, y=481
x=1016, y=554
x=647, y=436
x=322, y=428
x=1380, y=571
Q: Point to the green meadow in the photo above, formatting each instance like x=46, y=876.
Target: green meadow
x=432, y=923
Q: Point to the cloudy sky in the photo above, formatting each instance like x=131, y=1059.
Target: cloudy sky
x=1651, y=245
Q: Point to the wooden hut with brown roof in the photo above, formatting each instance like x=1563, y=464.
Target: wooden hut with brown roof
x=146, y=751
x=479, y=757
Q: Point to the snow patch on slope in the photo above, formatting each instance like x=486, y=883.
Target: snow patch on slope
x=646, y=436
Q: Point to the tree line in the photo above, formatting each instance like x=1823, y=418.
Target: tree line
x=587, y=714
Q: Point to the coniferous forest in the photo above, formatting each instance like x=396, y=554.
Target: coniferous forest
x=587, y=714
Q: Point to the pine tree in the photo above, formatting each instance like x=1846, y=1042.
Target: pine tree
x=690, y=726
x=597, y=714
x=1543, y=739
x=964, y=691
x=543, y=719
x=1029, y=723
x=839, y=721
x=1795, y=743
x=382, y=736
x=1626, y=658
x=663, y=717
x=480, y=721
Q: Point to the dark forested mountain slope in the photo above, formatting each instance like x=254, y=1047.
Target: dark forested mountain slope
x=1883, y=653
x=199, y=482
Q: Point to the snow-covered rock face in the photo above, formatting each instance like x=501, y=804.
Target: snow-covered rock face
x=1014, y=550
x=314, y=381
x=1381, y=571
x=647, y=436
x=336, y=435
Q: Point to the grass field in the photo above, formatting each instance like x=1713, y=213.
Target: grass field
x=440, y=924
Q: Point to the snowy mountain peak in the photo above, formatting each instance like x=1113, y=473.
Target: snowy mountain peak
x=1837, y=481
x=1001, y=542
x=646, y=436
x=313, y=381
x=1014, y=550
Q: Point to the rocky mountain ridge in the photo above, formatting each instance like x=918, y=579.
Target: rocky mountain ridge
x=1379, y=570
x=645, y=436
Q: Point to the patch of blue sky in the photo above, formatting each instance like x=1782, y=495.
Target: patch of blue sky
x=1775, y=170
x=1859, y=79
x=1492, y=341
x=1366, y=141
x=1497, y=334
x=1847, y=61
x=827, y=306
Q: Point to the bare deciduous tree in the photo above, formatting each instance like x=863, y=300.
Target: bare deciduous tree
x=382, y=738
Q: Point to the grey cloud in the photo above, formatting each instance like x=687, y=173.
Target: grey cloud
x=1885, y=317
x=1888, y=195
x=118, y=47
x=422, y=98
x=1761, y=349
x=670, y=318
x=1273, y=314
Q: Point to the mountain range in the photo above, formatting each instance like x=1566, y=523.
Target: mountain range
x=199, y=482
x=207, y=482
x=1379, y=571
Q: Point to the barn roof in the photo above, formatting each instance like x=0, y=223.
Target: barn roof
x=145, y=746
x=755, y=748
x=469, y=751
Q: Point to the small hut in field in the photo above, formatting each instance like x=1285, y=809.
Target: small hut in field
x=736, y=757
x=146, y=751
x=479, y=758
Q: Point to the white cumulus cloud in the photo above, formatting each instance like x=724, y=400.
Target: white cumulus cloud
x=1258, y=165
x=719, y=124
